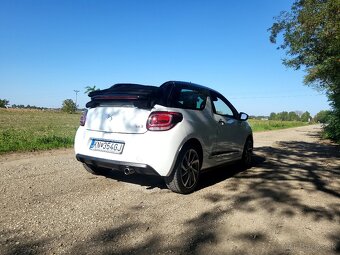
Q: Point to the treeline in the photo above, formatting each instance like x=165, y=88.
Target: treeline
x=321, y=117
x=21, y=106
x=4, y=103
x=291, y=116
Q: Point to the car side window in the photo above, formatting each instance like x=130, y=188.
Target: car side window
x=221, y=107
x=187, y=98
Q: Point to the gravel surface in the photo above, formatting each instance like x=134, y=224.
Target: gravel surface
x=288, y=203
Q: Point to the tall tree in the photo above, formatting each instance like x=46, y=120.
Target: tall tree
x=322, y=116
x=306, y=117
x=311, y=40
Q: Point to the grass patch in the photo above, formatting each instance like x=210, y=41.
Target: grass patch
x=265, y=125
x=30, y=130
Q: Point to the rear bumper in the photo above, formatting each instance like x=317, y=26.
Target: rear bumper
x=117, y=165
x=151, y=150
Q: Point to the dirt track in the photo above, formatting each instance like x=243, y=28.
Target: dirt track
x=288, y=203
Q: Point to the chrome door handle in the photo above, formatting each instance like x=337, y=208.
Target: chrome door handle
x=221, y=122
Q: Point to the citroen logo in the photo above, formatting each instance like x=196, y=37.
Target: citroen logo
x=109, y=116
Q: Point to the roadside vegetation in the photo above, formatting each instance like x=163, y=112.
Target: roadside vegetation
x=32, y=130
x=265, y=125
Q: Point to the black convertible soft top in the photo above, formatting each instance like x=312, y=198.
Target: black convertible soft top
x=142, y=96
x=145, y=94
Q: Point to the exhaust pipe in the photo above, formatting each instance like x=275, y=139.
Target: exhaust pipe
x=129, y=170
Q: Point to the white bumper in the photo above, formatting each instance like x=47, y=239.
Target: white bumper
x=155, y=150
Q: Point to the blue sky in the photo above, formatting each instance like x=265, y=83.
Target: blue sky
x=48, y=49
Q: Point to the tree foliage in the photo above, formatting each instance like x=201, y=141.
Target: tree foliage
x=89, y=89
x=4, y=103
x=311, y=39
x=293, y=116
x=322, y=116
x=306, y=117
x=69, y=106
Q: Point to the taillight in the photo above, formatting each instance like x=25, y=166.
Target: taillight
x=161, y=121
x=83, y=118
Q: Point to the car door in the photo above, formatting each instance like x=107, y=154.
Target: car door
x=227, y=128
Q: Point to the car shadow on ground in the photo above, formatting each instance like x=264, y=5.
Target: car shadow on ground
x=218, y=174
x=148, y=181
x=208, y=177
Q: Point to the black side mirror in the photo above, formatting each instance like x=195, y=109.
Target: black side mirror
x=243, y=116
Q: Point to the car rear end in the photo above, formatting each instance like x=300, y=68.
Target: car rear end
x=127, y=128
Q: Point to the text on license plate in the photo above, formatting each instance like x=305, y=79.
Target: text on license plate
x=107, y=146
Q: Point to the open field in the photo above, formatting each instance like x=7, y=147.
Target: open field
x=30, y=130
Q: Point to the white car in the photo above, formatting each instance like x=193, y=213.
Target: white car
x=175, y=131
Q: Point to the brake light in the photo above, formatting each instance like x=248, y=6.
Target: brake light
x=162, y=121
x=83, y=118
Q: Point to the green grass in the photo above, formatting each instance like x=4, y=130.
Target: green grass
x=30, y=130
x=265, y=125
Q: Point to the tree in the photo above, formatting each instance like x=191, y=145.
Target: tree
x=283, y=116
x=4, y=103
x=311, y=40
x=89, y=89
x=292, y=116
x=69, y=106
x=306, y=117
x=322, y=116
x=272, y=116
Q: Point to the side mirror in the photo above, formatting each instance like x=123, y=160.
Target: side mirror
x=243, y=116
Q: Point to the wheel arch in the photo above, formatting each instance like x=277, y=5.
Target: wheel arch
x=251, y=138
x=197, y=145
x=190, y=142
x=174, y=180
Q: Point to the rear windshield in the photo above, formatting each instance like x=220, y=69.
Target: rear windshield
x=188, y=98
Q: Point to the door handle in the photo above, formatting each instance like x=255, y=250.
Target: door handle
x=221, y=122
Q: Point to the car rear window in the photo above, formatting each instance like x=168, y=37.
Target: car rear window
x=188, y=98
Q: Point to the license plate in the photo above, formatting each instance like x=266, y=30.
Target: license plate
x=107, y=146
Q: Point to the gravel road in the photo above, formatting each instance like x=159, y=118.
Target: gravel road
x=288, y=203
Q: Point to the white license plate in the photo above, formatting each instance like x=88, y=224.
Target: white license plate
x=107, y=146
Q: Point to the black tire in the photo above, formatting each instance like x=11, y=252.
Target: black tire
x=185, y=176
x=93, y=169
x=247, y=155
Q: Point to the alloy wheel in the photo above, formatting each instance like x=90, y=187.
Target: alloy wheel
x=248, y=152
x=190, y=166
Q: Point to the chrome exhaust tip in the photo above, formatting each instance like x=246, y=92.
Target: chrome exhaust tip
x=128, y=170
